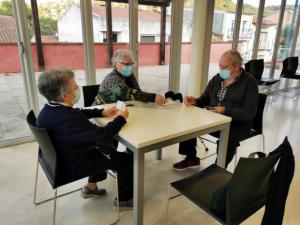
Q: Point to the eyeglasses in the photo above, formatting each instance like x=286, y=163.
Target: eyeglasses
x=128, y=64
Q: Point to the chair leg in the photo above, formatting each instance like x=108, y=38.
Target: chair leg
x=118, y=207
x=263, y=137
x=158, y=154
x=235, y=159
x=114, y=175
x=167, y=208
x=54, y=209
x=204, y=145
x=35, y=183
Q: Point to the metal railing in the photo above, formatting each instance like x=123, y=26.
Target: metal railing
x=263, y=44
x=244, y=33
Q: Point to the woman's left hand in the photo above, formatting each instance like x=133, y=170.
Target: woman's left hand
x=110, y=112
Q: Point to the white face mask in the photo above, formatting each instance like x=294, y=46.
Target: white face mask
x=77, y=95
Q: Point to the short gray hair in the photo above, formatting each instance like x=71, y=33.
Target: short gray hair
x=120, y=54
x=236, y=57
x=54, y=84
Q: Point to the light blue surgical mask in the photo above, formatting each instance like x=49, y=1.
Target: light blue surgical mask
x=127, y=70
x=77, y=95
x=225, y=74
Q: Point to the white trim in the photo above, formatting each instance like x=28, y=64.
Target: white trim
x=175, y=45
x=88, y=41
x=259, y=20
x=133, y=33
x=277, y=38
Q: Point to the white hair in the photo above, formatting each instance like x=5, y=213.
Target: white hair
x=120, y=54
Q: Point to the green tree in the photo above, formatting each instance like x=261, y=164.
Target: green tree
x=6, y=9
x=48, y=26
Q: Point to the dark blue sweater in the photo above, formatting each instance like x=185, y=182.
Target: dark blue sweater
x=71, y=131
x=240, y=101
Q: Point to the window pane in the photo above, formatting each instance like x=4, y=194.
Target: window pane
x=13, y=103
x=223, y=25
x=61, y=37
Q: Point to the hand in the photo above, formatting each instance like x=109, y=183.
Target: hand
x=189, y=100
x=218, y=109
x=110, y=112
x=160, y=100
x=124, y=113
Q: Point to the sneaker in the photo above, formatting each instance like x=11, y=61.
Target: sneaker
x=88, y=193
x=124, y=205
x=186, y=163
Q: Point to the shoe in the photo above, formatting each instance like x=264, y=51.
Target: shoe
x=186, y=163
x=124, y=205
x=88, y=193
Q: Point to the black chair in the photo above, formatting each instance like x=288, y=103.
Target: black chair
x=48, y=160
x=89, y=94
x=257, y=124
x=229, y=198
x=289, y=68
x=256, y=68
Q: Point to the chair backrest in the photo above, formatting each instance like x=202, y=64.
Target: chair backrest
x=255, y=67
x=89, y=94
x=248, y=188
x=47, y=155
x=258, y=119
x=289, y=66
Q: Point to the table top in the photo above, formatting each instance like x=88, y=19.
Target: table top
x=149, y=123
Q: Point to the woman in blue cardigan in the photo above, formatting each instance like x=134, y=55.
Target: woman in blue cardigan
x=77, y=140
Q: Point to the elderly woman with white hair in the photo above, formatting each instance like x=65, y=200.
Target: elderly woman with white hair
x=121, y=84
x=80, y=143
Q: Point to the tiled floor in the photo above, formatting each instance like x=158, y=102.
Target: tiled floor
x=18, y=165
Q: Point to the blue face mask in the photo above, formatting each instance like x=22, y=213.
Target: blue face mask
x=225, y=74
x=127, y=70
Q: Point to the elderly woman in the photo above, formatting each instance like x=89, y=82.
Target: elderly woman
x=76, y=139
x=122, y=85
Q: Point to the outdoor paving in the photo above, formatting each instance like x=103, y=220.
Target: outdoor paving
x=13, y=106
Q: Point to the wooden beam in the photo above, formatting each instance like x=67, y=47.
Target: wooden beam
x=37, y=34
x=162, y=35
x=109, y=35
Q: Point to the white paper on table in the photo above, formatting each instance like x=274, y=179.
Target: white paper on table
x=120, y=105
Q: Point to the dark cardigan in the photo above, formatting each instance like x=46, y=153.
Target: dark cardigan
x=72, y=132
x=117, y=87
x=240, y=101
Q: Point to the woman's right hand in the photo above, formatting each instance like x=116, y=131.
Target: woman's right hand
x=124, y=113
x=160, y=100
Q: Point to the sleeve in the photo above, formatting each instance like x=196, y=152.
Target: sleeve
x=248, y=111
x=135, y=93
x=91, y=113
x=81, y=129
x=204, y=99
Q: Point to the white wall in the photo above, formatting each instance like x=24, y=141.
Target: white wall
x=69, y=28
x=69, y=25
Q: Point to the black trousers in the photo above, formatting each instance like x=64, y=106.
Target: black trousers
x=236, y=134
x=94, y=164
